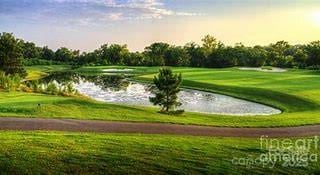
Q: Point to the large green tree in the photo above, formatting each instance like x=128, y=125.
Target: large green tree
x=113, y=54
x=167, y=87
x=47, y=53
x=30, y=50
x=196, y=53
x=313, y=50
x=176, y=56
x=155, y=54
x=116, y=53
x=11, y=55
x=210, y=44
x=64, y=54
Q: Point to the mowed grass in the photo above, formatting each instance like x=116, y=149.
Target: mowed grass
x=296, y=92
x=37, y=72
x=26, y=105
x=90, y=153
x=84, y=153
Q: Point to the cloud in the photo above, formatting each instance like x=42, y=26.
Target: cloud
x=85, y=12
x=149, y=9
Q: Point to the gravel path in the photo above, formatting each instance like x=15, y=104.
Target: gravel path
x=31, y=124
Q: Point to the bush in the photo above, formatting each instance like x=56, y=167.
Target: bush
x=9, y=82
x=52, y=89
x=34, y=85
x=314, y=67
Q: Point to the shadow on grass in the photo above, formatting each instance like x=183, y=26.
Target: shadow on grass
x=96, y=105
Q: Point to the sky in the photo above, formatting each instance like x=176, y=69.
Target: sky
x=87, y=24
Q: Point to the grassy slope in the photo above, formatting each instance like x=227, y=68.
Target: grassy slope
x=295, y=92
x=81, y=153
x=36, y=72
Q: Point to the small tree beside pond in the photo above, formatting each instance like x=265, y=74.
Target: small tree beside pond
x=167, y=89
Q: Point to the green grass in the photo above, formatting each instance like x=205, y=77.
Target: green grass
x=36, y=72
x=83, y=153
x=296, y=92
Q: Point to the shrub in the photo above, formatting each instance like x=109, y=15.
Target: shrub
x=314, y=67
x=52, y=89
x=34, y=85
x=9, y=82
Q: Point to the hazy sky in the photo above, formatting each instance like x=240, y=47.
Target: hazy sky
x=87, y=24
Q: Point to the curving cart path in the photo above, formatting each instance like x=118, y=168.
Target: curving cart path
x=33, y=124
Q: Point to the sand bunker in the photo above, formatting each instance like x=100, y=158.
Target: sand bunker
x=117, y=70
x=273, y=69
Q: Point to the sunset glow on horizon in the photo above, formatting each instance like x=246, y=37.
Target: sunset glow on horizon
x=85, y=25
x=316, y=18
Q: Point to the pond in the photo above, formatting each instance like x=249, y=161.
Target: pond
x=120, y=90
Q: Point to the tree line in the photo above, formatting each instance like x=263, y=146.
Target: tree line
x=211, y=53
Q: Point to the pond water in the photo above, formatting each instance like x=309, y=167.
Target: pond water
x=118, y=89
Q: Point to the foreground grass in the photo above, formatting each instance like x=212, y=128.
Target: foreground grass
x=82, y=153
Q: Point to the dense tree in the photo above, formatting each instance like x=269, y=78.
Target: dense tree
x=64, y=55
x=249, y=56
x=210, y=44
x=222, y=57
x=116, y=53
x=155, y=54
x=279, y=55
x=11, y=55
x=91, y=58
x=212, y=53
x=167, y=87
x=30, y=50
x=113, y=54
x=196, y=53
x=176, y=56
x=47, y=53
x=300, y=57
x=134, y=59
x=102, y=53
x=313, y=51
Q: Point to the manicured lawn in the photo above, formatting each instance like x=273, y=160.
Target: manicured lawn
x=36, y=72
x=296, y=92
x=82, y=153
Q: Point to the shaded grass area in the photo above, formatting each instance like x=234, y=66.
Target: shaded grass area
x=82, y=153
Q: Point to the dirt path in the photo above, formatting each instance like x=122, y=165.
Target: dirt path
x=29, y=124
